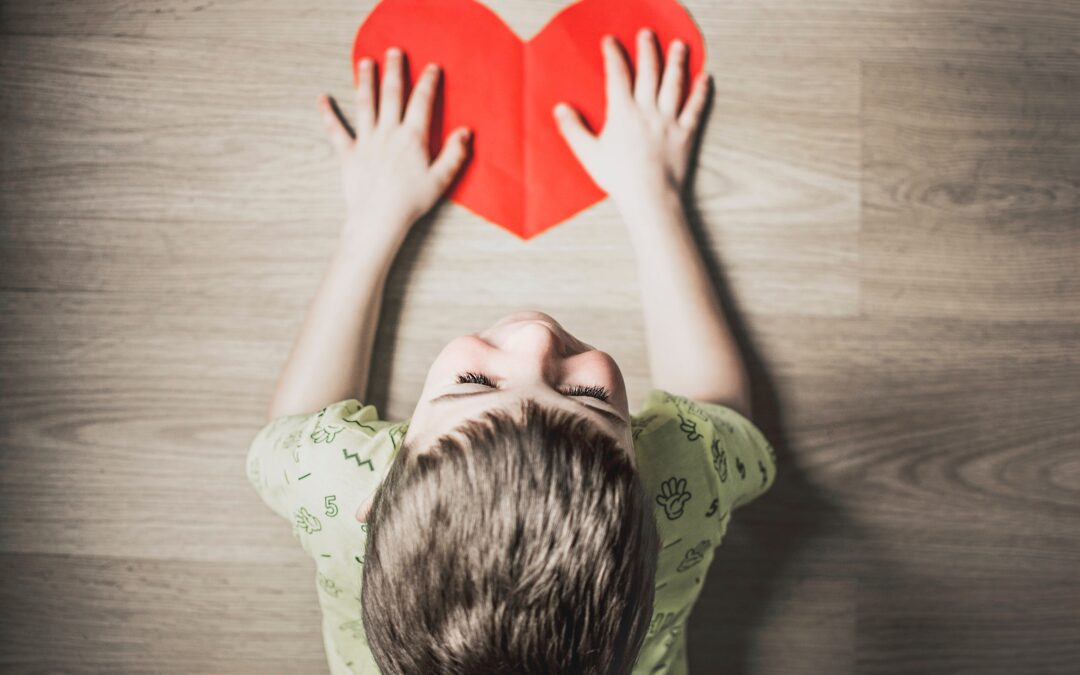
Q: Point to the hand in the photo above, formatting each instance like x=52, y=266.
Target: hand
x=645, y=144
x=386, y=175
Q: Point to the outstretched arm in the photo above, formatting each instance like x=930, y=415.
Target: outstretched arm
x=641, y=158
x=389, y=183
x=329, y=360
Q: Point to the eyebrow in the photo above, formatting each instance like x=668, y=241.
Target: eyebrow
x=464, y=394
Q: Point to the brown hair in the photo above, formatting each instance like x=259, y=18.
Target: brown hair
x=521, y=547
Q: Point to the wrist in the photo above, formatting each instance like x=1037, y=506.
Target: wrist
x=650, y=209
x=378, y=234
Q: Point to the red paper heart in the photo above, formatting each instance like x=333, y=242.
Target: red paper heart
x=521, y=174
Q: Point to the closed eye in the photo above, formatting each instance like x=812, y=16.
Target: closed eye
x=594, y=391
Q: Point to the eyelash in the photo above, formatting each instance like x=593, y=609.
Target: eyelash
x=594, y=391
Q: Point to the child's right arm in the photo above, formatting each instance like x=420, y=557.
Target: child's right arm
x=640, y=159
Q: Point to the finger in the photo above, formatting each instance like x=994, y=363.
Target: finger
x=453, y=153
x=418, y=112
x=646, y=69
x=691, y=113
x=577, y=136
x=339, y=135
x=672, y=85
x=365, y=98
x=616, y=72
x=391, y=89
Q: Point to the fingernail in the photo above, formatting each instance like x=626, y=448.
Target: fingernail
x=432, y=68
x=678, y=45
x=466, y=134
x=365, y=64
x=393, y=52
x=645, y=33
x=560, y=108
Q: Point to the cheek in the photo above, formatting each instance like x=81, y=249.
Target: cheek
x=461, y=354
x=601, y=366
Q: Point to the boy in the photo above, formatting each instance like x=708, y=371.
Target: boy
x=522, y=520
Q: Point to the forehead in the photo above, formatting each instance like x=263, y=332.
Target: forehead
x=482, y=347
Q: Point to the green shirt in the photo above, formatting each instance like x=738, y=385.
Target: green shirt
x=698, y=462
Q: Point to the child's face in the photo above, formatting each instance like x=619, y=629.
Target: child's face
x=524, y=355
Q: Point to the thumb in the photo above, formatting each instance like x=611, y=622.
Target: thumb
x=450, y=158
x=578, y=137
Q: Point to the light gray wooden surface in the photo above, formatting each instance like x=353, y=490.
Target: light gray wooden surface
x=889, y=191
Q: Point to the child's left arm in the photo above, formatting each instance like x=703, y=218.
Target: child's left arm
x=389, y=183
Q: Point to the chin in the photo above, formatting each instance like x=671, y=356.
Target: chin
x=527, y=315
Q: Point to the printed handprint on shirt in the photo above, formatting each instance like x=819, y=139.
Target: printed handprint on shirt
x=329, y=585
x=694, y=556
x=689, y=427
x=673, y=496
x=719, y=458
x=326, y=434
x=292, y=441
x=741, y=468
x=306, y=521
x=662, y=621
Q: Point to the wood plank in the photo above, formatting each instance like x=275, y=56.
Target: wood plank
x=985, y=626
x=887, y=190
x=970, y=191
x=838, y=27
x=772, y=187
x=91, y=614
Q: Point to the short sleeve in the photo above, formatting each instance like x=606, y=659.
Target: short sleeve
x=293, y=459
x=703, y=460
x=741, y=456
x=316, y=470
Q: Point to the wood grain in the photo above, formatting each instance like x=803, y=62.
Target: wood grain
x=888, y=194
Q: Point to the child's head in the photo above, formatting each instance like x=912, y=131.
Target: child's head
x=515, y=536
x=525, y=355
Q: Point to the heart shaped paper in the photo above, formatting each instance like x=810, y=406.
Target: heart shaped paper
x=521, y=174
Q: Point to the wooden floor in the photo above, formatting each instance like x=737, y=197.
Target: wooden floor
x=890, y=193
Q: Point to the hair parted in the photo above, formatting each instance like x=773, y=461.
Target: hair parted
x=511, y=547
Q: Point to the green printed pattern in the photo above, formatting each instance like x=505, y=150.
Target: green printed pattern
x=698, y=461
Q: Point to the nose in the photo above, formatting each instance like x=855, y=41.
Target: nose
x=536, y=343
